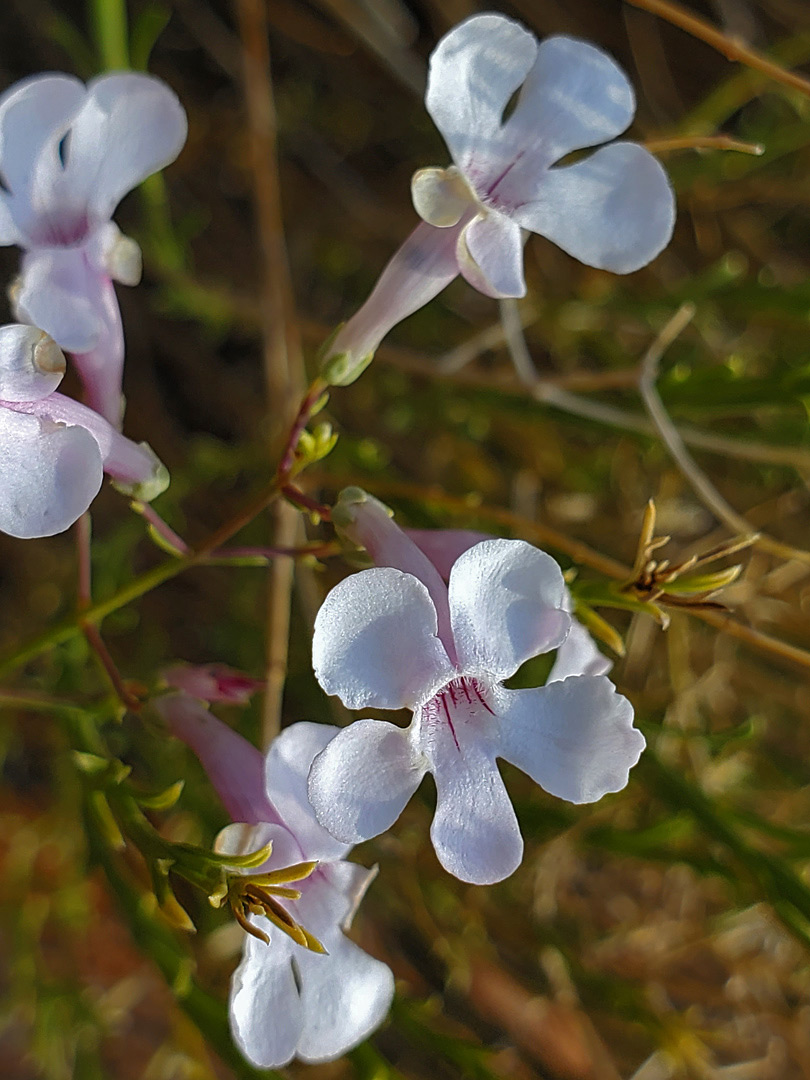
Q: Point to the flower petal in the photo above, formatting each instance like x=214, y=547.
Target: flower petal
x=367, y=522
x=474, y=70
x=133, y=466
x=102, y=368
x=245, y=838
x=474, y=831
x=423, y=266
x=350, y=881
x=490, y=256
x=267, y=1017
x=286, y=770
x=375, y=641
x=213, y=682
x=49, y=474
x=31, y=363
x=441, y=196
x=578, y=655
x=59, y=294
x=9, y=232
x=344, y=995
x=234, y=766
x=574, y=96
x=444, y=546
x=34, y=113
x=615, y=210
x=359, y=784
x=574, y=738
x=506, y=606
x=130, y=126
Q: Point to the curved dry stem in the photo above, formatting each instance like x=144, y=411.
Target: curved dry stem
x=702, y=486
x=731, y=48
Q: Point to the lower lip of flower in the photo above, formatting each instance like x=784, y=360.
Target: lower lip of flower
x=461, y=702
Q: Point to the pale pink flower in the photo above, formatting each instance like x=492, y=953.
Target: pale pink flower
x=68, y=155
x=288, y=1002
x=389, y=639
x=613, y=209
x=53, y=450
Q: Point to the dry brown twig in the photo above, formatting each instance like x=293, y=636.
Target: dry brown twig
x=702, y=486
x=284, y=366
x=729, y=47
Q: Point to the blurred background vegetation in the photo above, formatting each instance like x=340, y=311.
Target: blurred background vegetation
x=661, y=933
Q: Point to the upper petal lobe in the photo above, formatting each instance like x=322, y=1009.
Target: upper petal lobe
x=375, y=641
x=506, y=606
x=130, y=126
x=474, y=70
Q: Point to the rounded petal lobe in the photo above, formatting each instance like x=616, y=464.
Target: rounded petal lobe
x=58, y=293
x=367, y=523
x=440, y=196
x=490, y=256
x=474, y=70
x=130, y=126
x=474, y=831
x=574, y=96
x=31, y=363
x=578, y=655
x=359, y=784
x=345, y=996
x=34, y=113
x=267, y=1017
x=134, y=467
x=614, y=210
x=375, y=641
x=506, y=606
x=574, y=738
x=286, y=770
x=49, y=474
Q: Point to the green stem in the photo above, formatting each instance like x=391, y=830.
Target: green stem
x=175, y=964
x=94, y=614
x=152, y=936
x=108, y=19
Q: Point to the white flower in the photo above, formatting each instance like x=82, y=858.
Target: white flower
x=613, y=209
x=53, y=450
x=68, y=155
x=391, y=640
x=287, y=1001
x=578, y=654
